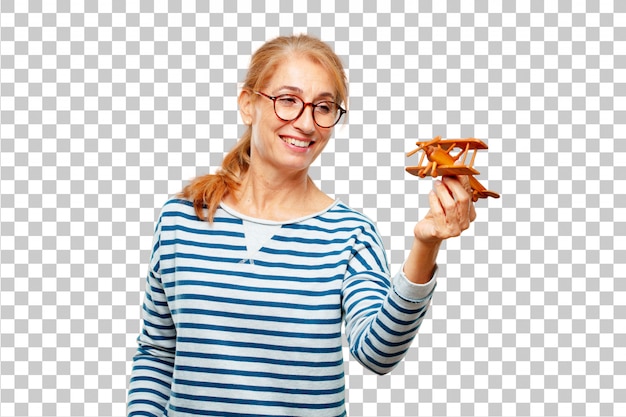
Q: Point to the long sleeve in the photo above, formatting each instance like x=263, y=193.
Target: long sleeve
x=259, y=333
x=382, y=315
x=151, y=377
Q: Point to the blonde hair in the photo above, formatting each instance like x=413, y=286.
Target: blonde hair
x=207, y=191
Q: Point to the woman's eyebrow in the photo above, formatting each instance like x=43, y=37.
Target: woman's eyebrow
x=298, y=90
x=290, y=88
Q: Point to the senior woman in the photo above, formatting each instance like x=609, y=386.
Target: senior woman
x=254, y=269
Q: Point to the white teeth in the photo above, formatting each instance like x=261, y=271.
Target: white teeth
x=298, y=143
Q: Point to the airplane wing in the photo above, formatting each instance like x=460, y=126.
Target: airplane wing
x=458, y=143
x=445, y=170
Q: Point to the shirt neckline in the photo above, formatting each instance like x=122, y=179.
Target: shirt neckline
x=242, y=216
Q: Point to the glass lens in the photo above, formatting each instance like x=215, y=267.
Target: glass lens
x=326, y=113
x=288, y=107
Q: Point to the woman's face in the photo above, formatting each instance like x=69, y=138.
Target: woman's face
x=292, y=146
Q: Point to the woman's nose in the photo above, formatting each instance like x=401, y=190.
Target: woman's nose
x=305, y=122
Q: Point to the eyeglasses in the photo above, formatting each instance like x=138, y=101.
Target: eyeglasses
x=289, y=107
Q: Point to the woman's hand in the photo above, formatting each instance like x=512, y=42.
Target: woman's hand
x=451, y=211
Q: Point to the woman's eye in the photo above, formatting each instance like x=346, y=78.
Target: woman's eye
x=324, y=108
x=287, y=101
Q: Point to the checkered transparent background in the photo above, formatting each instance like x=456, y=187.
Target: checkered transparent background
x=109, y=107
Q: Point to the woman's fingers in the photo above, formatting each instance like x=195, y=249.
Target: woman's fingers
x=456, y=204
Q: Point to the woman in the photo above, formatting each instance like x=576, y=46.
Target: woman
x=254, y=269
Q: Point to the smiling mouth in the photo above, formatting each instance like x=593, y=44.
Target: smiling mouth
x=296, y=142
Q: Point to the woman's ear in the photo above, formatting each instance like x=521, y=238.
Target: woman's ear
x=245, y=106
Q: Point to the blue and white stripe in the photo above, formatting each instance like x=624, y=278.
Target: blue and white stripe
x=229, y=335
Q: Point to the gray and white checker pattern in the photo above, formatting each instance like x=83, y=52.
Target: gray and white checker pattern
x=109, y=107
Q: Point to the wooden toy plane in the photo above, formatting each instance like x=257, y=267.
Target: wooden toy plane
x=442, y=162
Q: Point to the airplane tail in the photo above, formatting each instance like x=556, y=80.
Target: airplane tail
x=479, y=191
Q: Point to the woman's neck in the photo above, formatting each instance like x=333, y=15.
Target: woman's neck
x=277, y=198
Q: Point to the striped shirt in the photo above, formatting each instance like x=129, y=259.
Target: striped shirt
x=232, y=332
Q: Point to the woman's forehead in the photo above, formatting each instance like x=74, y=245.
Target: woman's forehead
x=301, y=75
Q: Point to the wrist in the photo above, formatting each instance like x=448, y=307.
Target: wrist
x=421, y=262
